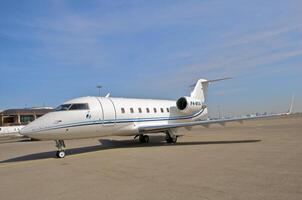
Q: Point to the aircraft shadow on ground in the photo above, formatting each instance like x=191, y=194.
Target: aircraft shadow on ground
x=13, y=140
x=107, y=144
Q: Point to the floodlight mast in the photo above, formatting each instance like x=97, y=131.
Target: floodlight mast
x=99, y=88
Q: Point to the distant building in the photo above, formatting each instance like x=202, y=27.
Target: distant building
x=14, y=117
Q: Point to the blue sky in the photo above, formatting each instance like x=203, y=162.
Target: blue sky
x=52, y=51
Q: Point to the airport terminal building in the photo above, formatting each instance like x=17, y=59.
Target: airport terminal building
x=14, y=117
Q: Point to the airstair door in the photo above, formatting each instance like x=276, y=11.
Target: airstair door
x=109, y=112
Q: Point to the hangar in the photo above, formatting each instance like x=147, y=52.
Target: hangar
x=14, y=117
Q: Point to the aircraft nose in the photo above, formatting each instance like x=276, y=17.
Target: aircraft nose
x=28, y=131
x=35, y=129
x=25, y=131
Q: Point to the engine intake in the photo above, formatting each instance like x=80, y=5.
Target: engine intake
x=182, y=103
x=188, y=104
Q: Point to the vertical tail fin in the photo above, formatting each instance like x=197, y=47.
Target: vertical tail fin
x=290, y=111
x=201, y=88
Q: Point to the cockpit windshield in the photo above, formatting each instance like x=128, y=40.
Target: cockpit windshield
x=79, y=106
x=63, y=107
x=76, y=106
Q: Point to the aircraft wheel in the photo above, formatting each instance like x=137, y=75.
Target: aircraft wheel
x=171, y=140
x=143, y=138
x=146, y=138
x=61, y=154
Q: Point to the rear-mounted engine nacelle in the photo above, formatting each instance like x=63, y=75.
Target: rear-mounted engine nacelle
x=188, y=104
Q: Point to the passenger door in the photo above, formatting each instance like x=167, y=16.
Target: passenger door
x=109, y=112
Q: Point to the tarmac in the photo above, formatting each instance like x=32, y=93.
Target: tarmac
x=254, y=160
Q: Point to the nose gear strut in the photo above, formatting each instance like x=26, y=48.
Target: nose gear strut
x=60, y=144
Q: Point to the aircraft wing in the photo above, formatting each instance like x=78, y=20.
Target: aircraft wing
x=205, y=123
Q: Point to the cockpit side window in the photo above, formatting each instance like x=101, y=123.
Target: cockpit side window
x=76, y=106
x=63, y=107
x=79, y=106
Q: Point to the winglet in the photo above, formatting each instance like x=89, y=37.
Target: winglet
x=290, y=111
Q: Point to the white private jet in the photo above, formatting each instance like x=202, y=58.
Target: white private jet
x=88, y=117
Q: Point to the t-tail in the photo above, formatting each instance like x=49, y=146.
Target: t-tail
x=201, y=88
x=290, y=110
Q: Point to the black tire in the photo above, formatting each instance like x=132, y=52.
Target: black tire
x=171, y=140
x=143, y=138
x=174, y=140
x=61, y=154
x=146, y=138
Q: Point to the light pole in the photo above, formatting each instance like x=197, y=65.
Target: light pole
x=219, y=111
x=99, y=87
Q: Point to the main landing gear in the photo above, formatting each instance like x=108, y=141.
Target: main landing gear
x=61, y=148
x=171, y=138
x=143, y=138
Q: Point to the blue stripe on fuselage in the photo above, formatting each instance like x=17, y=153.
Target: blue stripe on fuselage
x=113, y=121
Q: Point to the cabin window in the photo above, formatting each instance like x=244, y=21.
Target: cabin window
x=79, y=106
x=131, y=110
x=162, y=110
x=147, y=110
x=154, y=110
x=123, y=110
x=139, y=110
x=168, y=110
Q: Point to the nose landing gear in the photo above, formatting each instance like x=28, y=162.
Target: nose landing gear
x=60, y=144
x=60, y=154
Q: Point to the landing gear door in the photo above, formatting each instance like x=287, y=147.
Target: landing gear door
x=109, y=112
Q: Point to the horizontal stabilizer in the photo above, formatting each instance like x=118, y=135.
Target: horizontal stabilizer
x=201, y=88
x=214, y=80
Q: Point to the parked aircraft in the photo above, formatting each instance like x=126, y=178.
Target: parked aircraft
x=88, y=117
x=10, y=130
